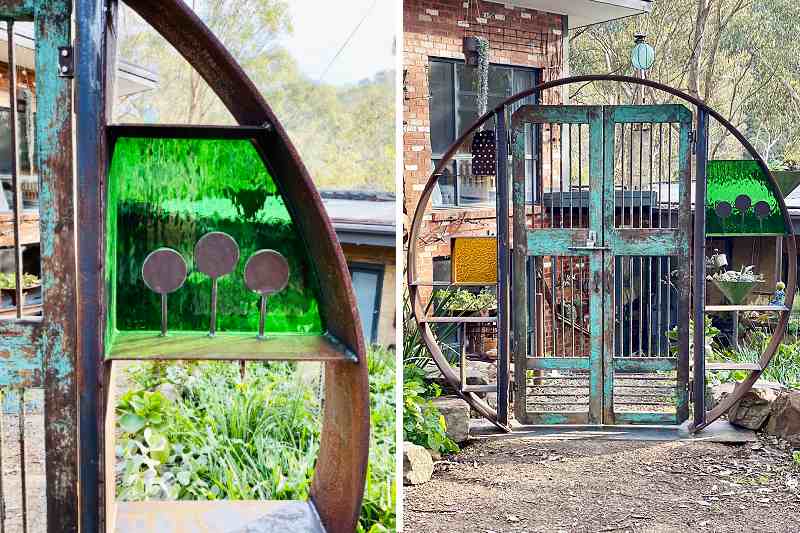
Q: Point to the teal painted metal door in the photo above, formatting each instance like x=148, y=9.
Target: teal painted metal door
x=605, y=216
x=38, y=338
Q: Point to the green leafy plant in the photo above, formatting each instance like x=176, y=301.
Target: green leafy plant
x=423, y=424
x=745, y=275
x=257, y=438
x=9, y=281
x=709, y=334
x=464, y=300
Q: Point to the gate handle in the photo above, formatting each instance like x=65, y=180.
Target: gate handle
x=588, y=247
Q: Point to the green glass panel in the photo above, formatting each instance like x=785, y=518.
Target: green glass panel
x=169, y=193
x=741, y=200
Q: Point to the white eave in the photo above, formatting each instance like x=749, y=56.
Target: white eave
x=131, y=79
x=584, y=12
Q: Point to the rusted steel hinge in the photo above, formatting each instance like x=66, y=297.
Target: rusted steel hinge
x=66, y=61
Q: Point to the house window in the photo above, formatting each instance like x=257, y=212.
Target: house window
x=27, y=165
x=453, y=108
x=368, y=283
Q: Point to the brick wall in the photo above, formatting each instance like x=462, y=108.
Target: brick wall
x=435, y=28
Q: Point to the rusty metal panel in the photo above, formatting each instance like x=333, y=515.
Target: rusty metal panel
x=473, y=260
x=58, y=252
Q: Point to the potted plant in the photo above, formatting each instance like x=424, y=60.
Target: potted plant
x=736, y=285
x=8, y=286
x=471, y=47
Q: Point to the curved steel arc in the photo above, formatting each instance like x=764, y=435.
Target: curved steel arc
x=791, y=247
x=341, y=467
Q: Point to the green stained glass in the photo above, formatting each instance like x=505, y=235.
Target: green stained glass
x=741, y=200
x=171, y=192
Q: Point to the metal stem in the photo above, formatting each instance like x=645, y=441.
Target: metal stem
x=212, y=331
x=163, y=315
x=262, y=317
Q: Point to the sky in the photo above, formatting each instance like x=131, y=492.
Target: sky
x=321, y=27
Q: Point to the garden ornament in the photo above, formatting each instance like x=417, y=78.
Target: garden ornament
x=266, y=273
x=164, y=271
x=215, y=254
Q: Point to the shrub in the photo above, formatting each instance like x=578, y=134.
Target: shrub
x=423, y=424
x=225, y=437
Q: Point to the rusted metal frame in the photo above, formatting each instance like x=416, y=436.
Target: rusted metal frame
x=52, y=22
x=684, y=224
x=15, y=186
x=95, y=46
x=503, y=264
x=23, y=470
x=699, y=280
x=745, y=385
x=519, y=287
x=417, y=219
x=185, y=131
x=340, y=474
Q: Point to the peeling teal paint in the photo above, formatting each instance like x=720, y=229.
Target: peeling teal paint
x=612, y=242
x=645, y=418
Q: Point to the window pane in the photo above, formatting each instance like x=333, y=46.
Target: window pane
x=474, y=189
x=441, y=106
x=445, y=192
x=524, y=79
x=500, y=81
x=365, y=285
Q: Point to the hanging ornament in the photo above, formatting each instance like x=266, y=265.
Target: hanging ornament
x=484, y=154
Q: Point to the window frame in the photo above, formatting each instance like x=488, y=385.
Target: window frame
x=371, y=268
x=530, y=155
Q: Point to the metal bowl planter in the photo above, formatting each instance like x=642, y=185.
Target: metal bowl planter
x=471, y=48
x=736, y=291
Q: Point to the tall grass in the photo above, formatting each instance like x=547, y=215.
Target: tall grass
x=221, y=437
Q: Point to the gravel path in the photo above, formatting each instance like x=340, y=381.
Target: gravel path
x=524, y=485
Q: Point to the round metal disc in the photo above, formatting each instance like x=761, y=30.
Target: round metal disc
x=743, y=202
x=266, y=272
x=761, y=209
x=164, y=271
x=216, y=254
x=724, y=210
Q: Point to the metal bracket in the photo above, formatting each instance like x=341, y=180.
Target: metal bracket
x=66, y=61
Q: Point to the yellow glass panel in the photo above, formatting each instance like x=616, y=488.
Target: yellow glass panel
x=473, y=260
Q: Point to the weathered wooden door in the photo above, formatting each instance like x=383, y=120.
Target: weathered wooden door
x=606, y=252
x=38, y=339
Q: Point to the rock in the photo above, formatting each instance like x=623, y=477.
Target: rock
x=456, y=417
x=417, y=464
x=753, y=410
x=720, y=391
x=784, y=420
x=169, y=391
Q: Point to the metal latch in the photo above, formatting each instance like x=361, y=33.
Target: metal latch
x=591, y=243
x=66, y=61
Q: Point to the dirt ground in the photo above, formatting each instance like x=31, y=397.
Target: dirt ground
x=524, y=485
